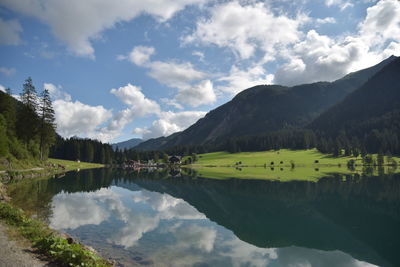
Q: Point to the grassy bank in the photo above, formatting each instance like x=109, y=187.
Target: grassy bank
x=47, y=241
x=283, y=165
x=74, y=165
x=29, y=169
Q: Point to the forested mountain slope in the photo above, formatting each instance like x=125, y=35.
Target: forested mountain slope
x=266, y=108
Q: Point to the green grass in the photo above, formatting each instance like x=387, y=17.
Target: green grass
x=73, y=165
x=48, y=241
x=258, y=165
x=34, y=168
x=301, y=158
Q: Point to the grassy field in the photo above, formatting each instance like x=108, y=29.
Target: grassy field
x=283, y=165
x=300, y=158
x=73, y=165
x=29, y=169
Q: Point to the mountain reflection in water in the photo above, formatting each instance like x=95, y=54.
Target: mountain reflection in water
x=149, y=219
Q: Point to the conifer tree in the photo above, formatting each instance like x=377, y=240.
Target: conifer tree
x=27, y=123
x=47, y=123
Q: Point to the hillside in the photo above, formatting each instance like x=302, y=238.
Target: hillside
x=266, y=108
x=375, y=105
x=127, y=144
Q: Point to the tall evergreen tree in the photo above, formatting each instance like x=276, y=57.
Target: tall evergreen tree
x=29, y=95
x=27, y=123
x=47, y=123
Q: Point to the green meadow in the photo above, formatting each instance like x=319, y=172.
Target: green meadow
x=74, y=165
x=283, y=165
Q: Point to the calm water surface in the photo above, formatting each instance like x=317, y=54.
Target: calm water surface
x=151, y=219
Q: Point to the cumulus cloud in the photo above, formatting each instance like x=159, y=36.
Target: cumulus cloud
x=193, y=90
x=174, y=74
x=340, y=3
x=9, y=32
x=200, y=94
x=56, y=92
x=140, y=55
x=382, y=23
x=170, y=122
x=238, y=80
x=133, y=97
x=171, y=102
x=138, y=106
x=7, y=71
x=77, y=23
x=319, y=57
x=327, y=20
x=244, y=28
x=2, y=88
x=78, y=119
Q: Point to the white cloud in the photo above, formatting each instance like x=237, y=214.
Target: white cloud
x=199, y=54
x=56, y=92
x=2, y=88
x=239, y=80
x=174, y=74
x=322, y=58
x=327, y=20
x=132, y=96
x=382, y=23
x=340, y=3
x=200, y=94
x=77, y=23
x=182, y=76
x=9, y=32
x=7, y=71
x=138, y=106
x=170, y=122
x=318, y=58
x=140, y=55
x=171, y=102
x=76, y=118
x=244, y=28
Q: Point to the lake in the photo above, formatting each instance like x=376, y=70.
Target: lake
x=150, y=218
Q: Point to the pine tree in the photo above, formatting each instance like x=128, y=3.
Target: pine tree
x=27, y=123
x=47, y=123
x=29, y=95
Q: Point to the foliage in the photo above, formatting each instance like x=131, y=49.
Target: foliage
x=82, y=149
x=27, y=128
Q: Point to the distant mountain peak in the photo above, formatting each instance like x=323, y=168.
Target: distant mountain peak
x=131, y=143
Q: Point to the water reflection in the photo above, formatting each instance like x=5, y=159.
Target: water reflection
x=148, y=218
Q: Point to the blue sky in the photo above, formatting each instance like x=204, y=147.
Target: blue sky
x=130, y=68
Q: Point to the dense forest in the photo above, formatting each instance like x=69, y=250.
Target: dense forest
x=27, y=127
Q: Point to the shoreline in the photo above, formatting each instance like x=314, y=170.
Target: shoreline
x=57, y=249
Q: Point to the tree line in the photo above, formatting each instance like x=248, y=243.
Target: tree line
x=27, y=127
x=83, y=149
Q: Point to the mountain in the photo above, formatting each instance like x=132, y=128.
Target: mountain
x=375, y=105
x=266, y=108
x=127, y=144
